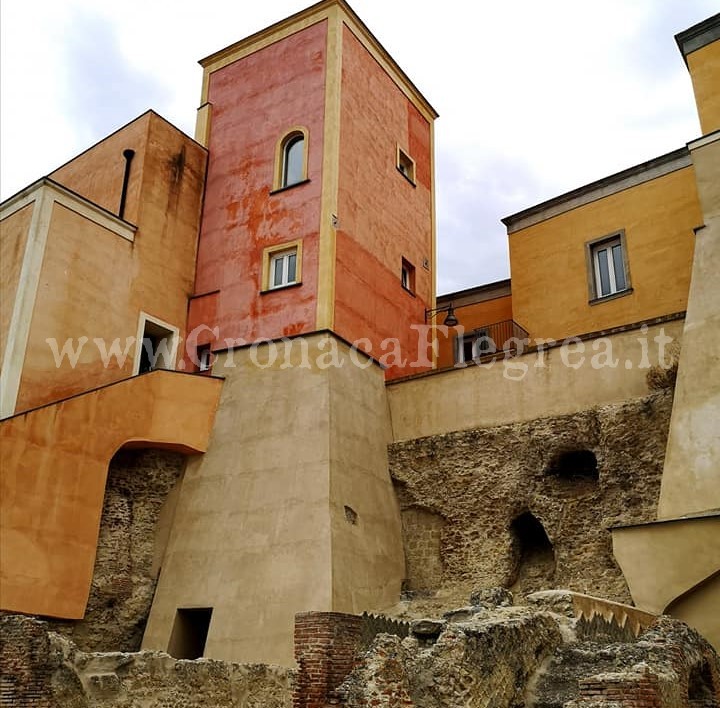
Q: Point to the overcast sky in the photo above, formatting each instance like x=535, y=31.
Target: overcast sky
x=535, y=98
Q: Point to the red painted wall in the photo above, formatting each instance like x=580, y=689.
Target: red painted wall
x=382, y=217
x=255, y=101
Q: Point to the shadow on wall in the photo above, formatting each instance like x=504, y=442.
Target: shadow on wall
x=139, y=503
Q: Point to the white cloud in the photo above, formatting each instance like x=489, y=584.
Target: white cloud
x=535, y=98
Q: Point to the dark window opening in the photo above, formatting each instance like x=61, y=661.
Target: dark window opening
x=156, y=350
x=189, y=633
x=575, y=465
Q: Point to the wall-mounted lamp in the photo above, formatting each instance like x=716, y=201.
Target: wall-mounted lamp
x=450, y=319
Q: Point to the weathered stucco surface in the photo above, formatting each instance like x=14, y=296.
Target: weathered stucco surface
x=460, y=494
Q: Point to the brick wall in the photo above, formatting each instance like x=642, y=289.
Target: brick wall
x=325, y=647
x=25, y=675
x=626, y=690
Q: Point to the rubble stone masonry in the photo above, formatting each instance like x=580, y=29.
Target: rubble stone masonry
x=519, y=505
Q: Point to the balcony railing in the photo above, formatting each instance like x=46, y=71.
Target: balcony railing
x=506, y=337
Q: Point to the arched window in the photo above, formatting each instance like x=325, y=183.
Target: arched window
x=291, y=158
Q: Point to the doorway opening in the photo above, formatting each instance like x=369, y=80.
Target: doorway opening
x=189, y=633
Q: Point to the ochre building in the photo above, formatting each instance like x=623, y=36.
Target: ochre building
x=230, y=394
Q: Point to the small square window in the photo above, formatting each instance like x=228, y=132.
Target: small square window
x=607, y=261
x=406, y=165
x=283, y=269
x=407, y=275
x=282, y=266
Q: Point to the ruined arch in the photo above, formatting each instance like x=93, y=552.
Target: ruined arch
x=533, y=555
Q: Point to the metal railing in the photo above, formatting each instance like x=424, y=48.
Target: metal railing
x=489, y=340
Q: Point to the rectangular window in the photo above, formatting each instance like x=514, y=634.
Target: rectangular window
x=282, y=266
x=405, y=165
x=473, y=345
x=407, y=275
x=204, y=358
x=608, y=265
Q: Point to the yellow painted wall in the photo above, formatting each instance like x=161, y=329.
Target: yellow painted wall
x=531, y=386
x=93, y=282
x=13, y=234
x=53, y=467
x=549, y=269
x=704, y=67
x=260, y=531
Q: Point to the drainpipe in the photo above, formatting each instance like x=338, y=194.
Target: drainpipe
x=128, y=155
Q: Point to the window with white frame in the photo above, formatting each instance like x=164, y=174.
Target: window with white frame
x=204, y=357
x=473, y=345
x=293, y=166
x=283, y=268
x=405, y=165
x=609, y=269
x=407, y=275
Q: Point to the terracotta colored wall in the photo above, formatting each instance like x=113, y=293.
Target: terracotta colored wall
x=382, y=217
x=95, y=283
x=53, y=479
x=471, y=317
x=255, y=100
x=704, y=66
x=12, y=249
x=548, y=260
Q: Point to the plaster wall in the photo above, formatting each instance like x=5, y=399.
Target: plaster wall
x=672, y=566
x=557, y=381
x=53, y=475
x=261, y=531
x=550, y=278
x=251, y=111
x=382, y=216
x=97, y=173
x=367, y=552
x=691, y=480
x=12, y=250
x=704, y=67
x=82, y=292
x=97, y=273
